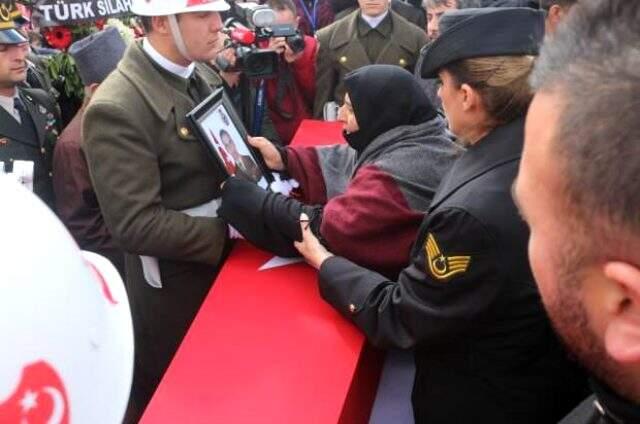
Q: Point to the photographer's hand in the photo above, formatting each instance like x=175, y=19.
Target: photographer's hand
x=290, y=56
x=269, y=153
x=278, y=44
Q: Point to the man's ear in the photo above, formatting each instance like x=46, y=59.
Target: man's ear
x=554, y=16
x=160, y=24
x=622, y=332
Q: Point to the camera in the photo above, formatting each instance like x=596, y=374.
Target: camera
x=248, y=26
x=293, y=36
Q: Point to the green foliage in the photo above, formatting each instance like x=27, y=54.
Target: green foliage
x=64, y=75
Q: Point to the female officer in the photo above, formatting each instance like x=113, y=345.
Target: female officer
x=484, y=349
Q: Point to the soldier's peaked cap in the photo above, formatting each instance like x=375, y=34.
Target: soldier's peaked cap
x=484, y=32
x=8, y=32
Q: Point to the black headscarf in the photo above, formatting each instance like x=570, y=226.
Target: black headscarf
x=384, y=97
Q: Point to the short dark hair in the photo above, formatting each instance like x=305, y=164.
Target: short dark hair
x=283, y=5
x=145, y=21
x=591, y=64
x=546, y=4
x=439, y=3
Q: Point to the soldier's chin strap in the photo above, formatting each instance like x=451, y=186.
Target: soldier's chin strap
x=177, y=37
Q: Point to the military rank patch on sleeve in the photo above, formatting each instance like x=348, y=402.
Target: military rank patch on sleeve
x=443, y=267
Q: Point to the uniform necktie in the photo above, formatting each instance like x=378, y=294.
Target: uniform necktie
x=18, y=105
x=194, y=89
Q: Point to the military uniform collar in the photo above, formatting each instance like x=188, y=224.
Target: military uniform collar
x=347, y=29
x=178, y=70
x=500, y=146
x=383, y=27
x=7, y=102
x=613, y=407
x=368, y=23
x=153, y=84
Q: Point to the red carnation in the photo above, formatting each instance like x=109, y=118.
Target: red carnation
x=100, y=23
x=58, y=37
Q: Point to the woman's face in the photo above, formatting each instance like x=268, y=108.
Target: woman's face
x=347, y=116
x=452, y=97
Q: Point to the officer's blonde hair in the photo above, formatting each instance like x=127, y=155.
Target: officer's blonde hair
x=501, y=81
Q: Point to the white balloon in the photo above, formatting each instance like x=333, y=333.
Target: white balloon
x=62, y=308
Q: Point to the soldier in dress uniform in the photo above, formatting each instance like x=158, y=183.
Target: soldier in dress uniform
x=373, y=34
x=156, y=185
x=484, y=349
x=29, y=118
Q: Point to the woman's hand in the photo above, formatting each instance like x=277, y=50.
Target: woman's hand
x=314, y=252
x=270, y=154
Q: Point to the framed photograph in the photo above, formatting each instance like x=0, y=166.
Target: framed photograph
x=220, y=129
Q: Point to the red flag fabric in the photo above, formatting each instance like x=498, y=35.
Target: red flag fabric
x=39, y=397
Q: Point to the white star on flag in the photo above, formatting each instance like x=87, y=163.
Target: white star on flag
x=29, y=401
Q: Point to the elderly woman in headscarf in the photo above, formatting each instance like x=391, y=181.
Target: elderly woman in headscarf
x=364, y=199
x=468, y=305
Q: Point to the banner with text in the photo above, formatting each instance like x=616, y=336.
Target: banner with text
x=56, y=12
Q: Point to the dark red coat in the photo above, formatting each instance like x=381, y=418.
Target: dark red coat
x=297, y=96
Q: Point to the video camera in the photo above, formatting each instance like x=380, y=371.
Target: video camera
x=250, y=24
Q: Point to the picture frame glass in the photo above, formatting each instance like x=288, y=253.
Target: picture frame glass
x=225, y=138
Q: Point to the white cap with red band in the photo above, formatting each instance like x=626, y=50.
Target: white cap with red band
x=173, y=7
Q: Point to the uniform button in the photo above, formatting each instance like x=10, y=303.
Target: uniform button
x=402, y=62
x=352, y=308
x=343, y=59
x=51, y=174
x=10, y=159
x=43, y=150
x=184, y=132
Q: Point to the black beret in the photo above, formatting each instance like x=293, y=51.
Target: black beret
x=484, y=32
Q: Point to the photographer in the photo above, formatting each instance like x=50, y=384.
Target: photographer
x=290, y=95
x=243, y=92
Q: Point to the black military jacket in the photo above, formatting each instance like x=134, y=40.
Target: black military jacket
x=17, y=142
x=468, y=303
x=604, y=407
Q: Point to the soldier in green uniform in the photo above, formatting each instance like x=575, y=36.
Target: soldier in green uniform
x=155, y=183
x=29, y=119
x=373, y=34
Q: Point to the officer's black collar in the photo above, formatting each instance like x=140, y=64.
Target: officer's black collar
x=500, y=146
x=616, y=409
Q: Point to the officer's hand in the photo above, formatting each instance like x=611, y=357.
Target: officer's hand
x=269, y=153
x=314, y=252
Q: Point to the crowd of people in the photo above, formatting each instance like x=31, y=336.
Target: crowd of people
x=479, y=213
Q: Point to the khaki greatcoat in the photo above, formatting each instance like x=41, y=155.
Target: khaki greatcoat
x=146, y=166
x=342, y=51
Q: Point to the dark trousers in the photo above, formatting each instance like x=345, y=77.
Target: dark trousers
x=161, y=318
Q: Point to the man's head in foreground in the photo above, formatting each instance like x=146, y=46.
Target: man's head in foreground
x=577, y=187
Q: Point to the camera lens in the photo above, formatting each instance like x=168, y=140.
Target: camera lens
x=261, y=63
